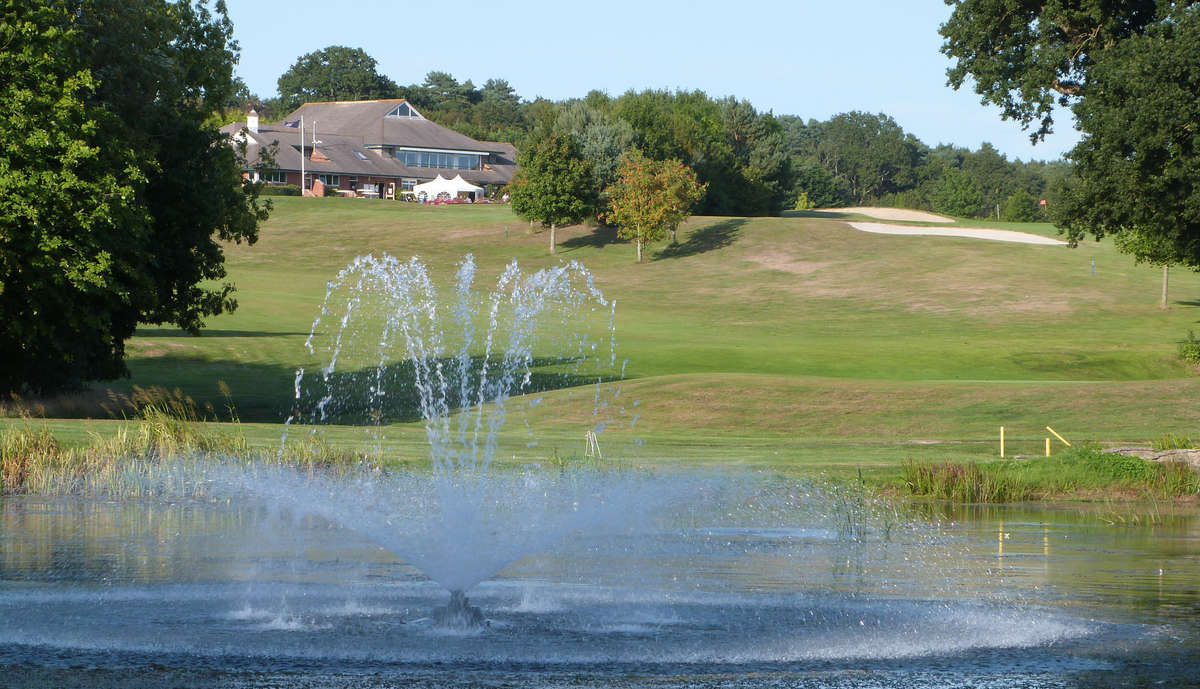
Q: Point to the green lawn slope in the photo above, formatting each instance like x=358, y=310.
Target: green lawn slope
x=785, y=342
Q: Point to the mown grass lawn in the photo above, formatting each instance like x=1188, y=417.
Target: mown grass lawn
x=788, y=343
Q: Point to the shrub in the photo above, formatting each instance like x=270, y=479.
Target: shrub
x=280, y=190
x=1189, y=349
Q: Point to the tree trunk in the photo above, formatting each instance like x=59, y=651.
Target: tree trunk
x=639, y=250
x=553, y=227
x=1163, y=304
x=673, y=239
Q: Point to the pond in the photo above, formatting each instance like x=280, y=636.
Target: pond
x=261, y=594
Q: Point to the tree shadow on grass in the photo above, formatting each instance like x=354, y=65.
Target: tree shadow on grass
x=210, y=332
x=709, y=238
x=598, y=238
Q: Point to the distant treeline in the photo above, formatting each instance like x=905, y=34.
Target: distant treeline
x=755, y=163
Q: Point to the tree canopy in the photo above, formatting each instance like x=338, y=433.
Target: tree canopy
x=553, y=186
x=334, y=73
x=114, y=192
x=651, y=198
x=1130, y=72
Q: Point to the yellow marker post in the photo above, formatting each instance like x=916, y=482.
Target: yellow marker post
x=1047, y=447
x=1002, y=442
x=1056, y=435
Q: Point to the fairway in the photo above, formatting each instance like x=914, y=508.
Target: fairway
x=784, y=342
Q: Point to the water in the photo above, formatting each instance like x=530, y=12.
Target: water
x=583, y=573
x=237, y=594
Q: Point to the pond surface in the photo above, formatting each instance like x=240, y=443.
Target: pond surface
x=202, y=594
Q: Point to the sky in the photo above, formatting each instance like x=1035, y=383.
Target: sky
x=805, y=58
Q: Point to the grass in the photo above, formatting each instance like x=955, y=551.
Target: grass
x=791, y=343
x=1079, y=472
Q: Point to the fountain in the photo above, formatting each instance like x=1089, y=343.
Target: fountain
x=394, y=348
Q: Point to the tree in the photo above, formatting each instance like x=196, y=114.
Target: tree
x=334, y=73
x=1021, y=206
x=870, y=155
x=553, y=186
x=1137, y=166
x=956, y=193
x=1130, y=71
x=651, y=198
x=114, y=192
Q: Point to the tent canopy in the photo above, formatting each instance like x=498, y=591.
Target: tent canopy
x=451, y=187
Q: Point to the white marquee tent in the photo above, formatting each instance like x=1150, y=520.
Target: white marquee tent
x=430, y=190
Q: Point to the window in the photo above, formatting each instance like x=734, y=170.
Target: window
x=330, y=180
x=275, y=177
x=408, y=184
x=445, y=161
x=405, y=111
x=360, y=155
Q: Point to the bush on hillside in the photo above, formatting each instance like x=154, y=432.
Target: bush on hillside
x=280, y=190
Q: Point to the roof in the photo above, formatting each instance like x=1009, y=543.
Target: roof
x=351, y=155
x=368, y=121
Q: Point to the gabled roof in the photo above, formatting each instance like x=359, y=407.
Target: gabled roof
x=368, y=121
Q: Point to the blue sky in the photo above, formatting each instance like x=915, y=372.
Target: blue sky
x=806, y=58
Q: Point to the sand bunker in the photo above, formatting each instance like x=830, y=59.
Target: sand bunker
x=971, y=232
x=889, y=214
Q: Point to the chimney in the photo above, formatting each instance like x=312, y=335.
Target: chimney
x=252, y=121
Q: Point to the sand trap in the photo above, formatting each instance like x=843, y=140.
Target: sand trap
x=971, y=232
x=889, y=214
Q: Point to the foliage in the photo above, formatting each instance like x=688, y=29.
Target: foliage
x=1172, y=441
x=280, y=190
x=1137, y=163
x=651, y=198
x=1028, y=58
x=553, y=186
x=1130, y=73
x=813, y=180
x=870, y=155
x=114, y=189
x=1021, y=206
x=956, y=193
x=1189, y=349
x=1078, y=470
x=333, y=73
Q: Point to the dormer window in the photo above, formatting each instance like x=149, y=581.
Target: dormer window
x=405, y=111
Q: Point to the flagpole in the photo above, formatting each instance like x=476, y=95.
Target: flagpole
x=302, y=155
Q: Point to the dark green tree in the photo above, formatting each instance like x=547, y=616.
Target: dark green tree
x=956, y=193
x=115, y=190
x=334, y=73
x=1138, y=164
x=554, y=185
x=870, y=155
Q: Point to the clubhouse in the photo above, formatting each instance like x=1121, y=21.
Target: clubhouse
x=373, y=148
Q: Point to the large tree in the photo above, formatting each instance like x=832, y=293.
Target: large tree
x=1130, y=71
x=114, y=192
x=651, y=198
x=553, y=186
x=334, y=73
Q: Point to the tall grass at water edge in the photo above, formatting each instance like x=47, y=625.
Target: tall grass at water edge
x=1078, y=472
x=165, y=431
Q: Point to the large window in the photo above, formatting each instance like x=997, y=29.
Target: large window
x=275, y=177
x=435, y=159
x=330, y=180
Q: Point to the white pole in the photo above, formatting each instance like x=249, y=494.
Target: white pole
x=302, y=155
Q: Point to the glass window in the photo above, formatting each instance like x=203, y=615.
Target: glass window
x=408, y=184
x=360, y=155
x=330, y=180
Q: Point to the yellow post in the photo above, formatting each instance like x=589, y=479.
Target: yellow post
x=1002, y=442
x=1047, y=447
x=1056, y=435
